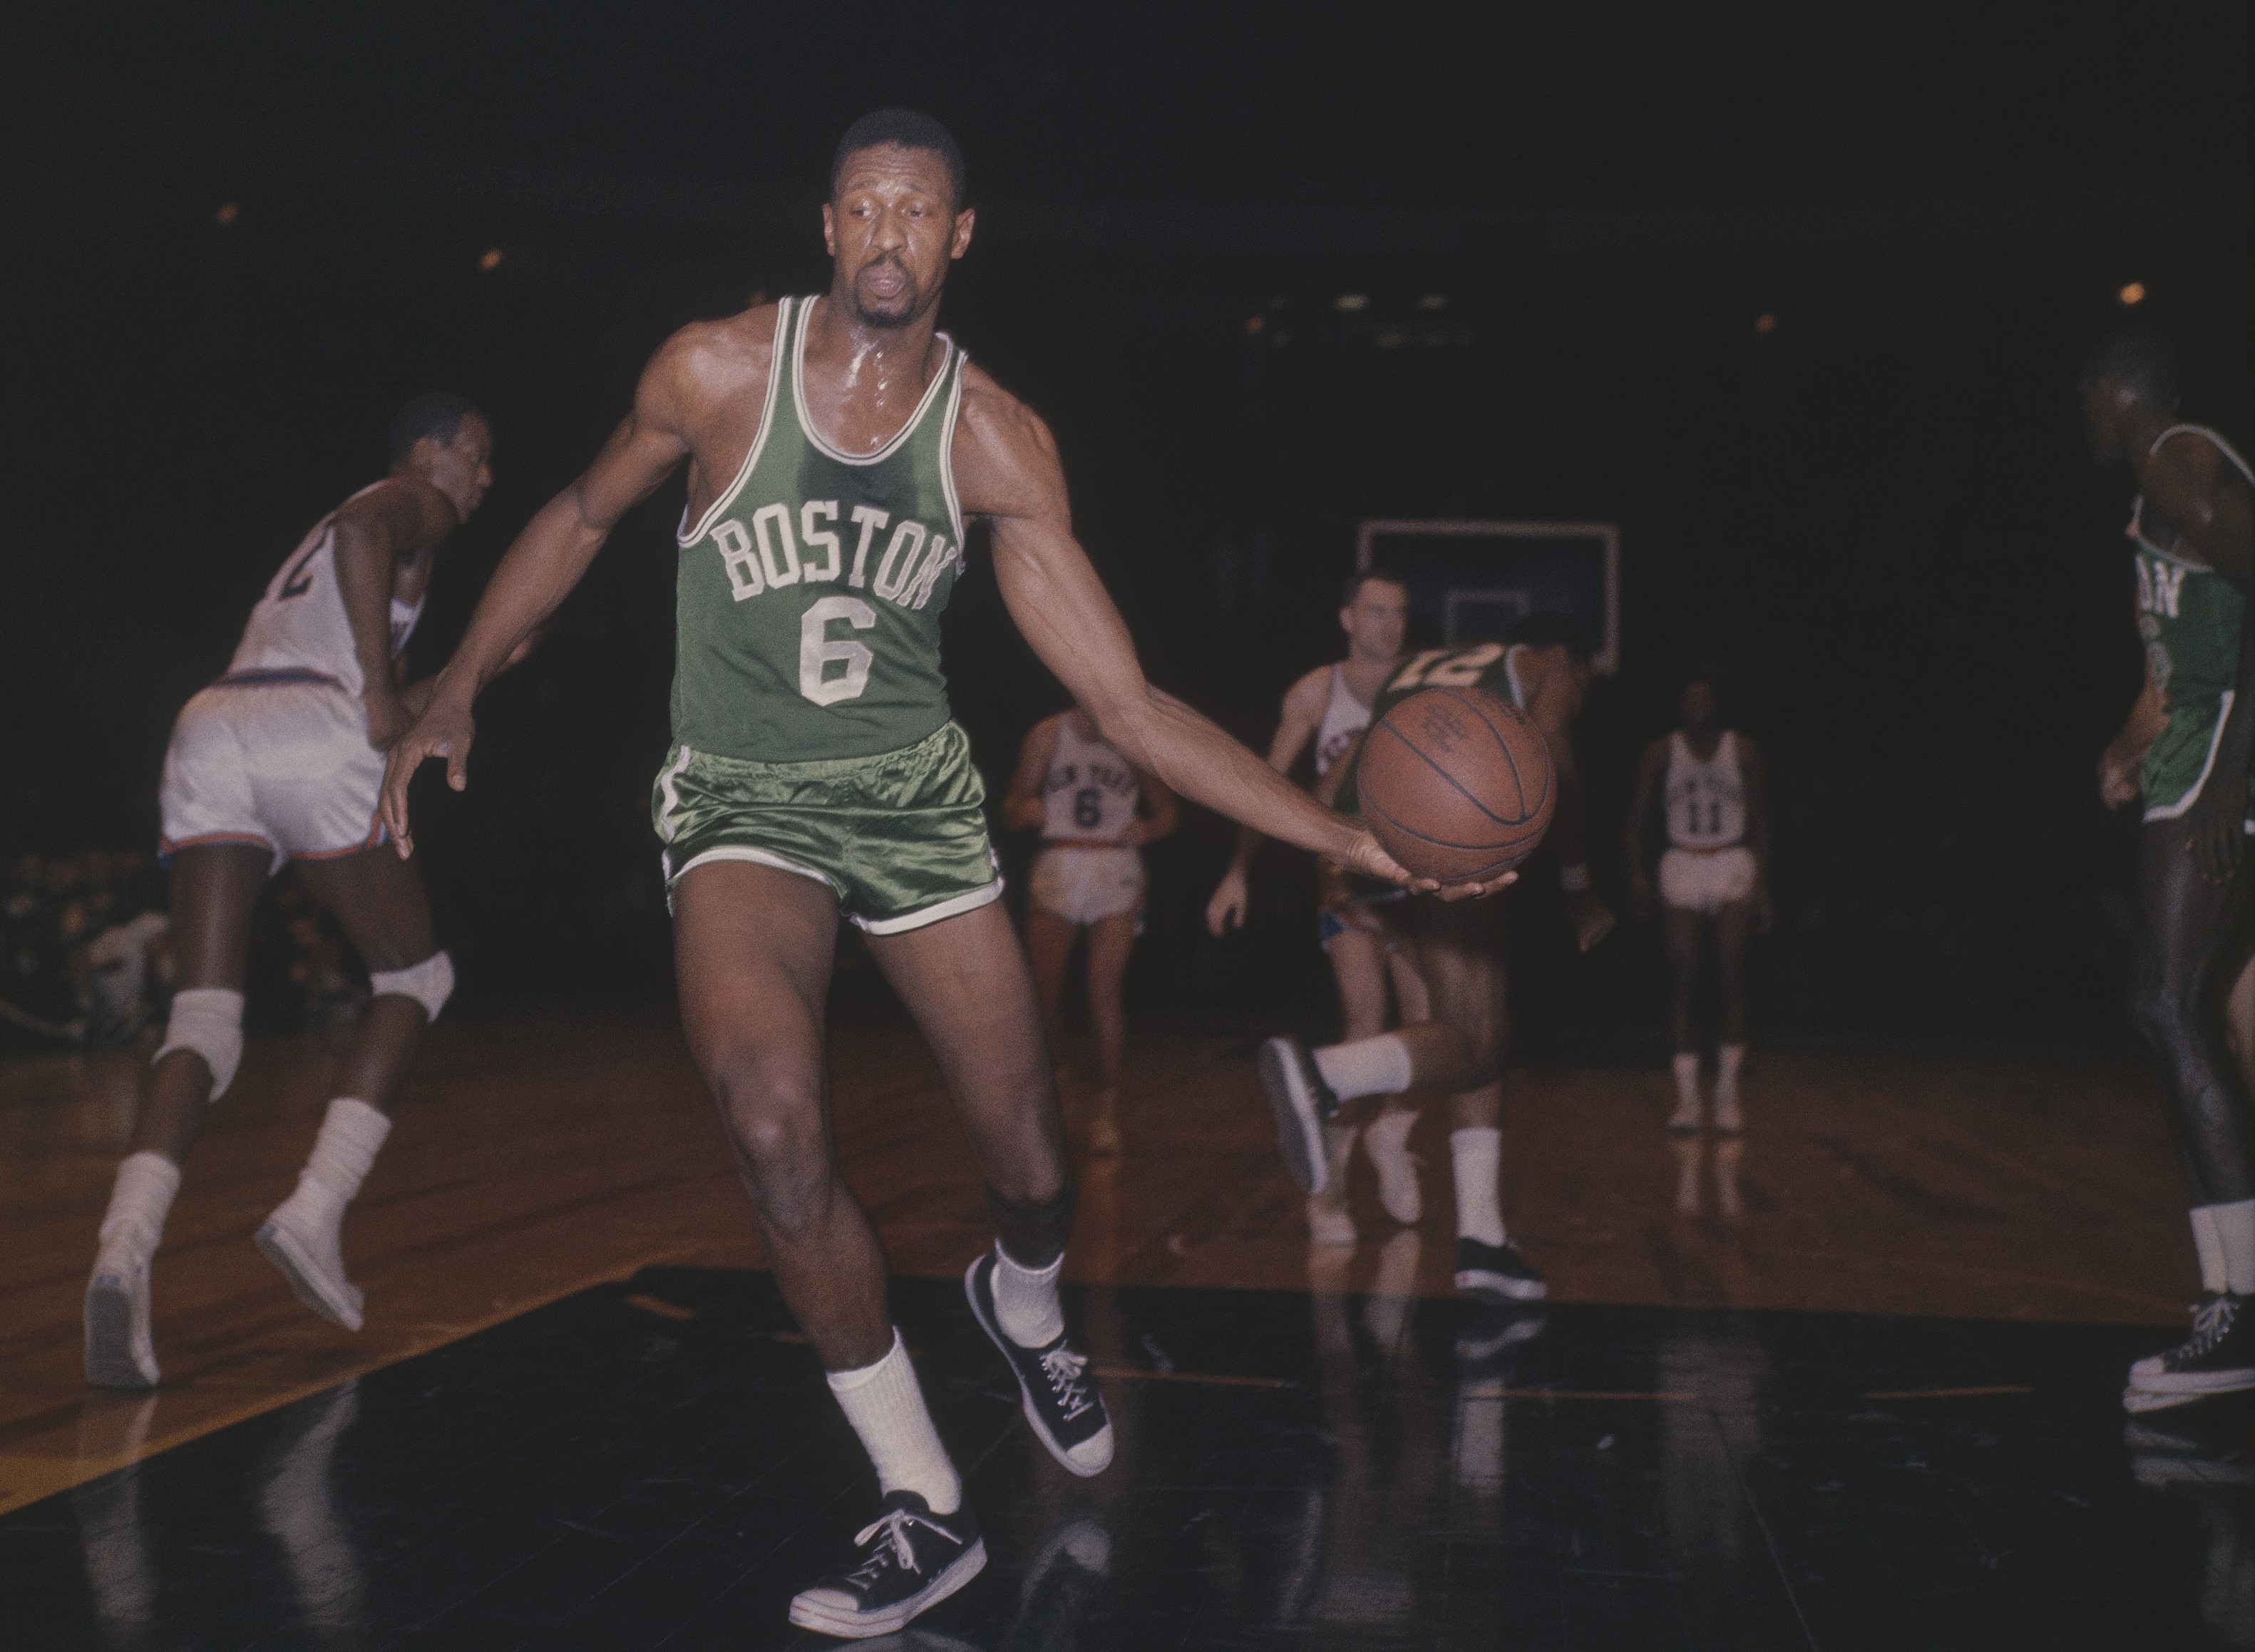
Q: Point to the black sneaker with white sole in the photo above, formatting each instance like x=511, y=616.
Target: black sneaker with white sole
x=2218, y=1358
x=905, y=1562
x=1304, y=1104
x=1061, y=1404
x=1497, y=1273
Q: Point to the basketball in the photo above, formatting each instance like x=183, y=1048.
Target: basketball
x=1457, y=784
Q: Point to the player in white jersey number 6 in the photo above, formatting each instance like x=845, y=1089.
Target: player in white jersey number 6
x=836, y=446
x=281, y=760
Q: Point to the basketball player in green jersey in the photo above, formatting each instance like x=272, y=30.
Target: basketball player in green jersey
x=837, y=445
x=2192, y=530
x=1459, y=952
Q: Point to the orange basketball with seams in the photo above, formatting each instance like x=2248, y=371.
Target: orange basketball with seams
x=1457, y=784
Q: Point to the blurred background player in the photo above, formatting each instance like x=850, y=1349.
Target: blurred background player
x=1328, y=709
x=1459, y=952
x=1088, y=801
x=282, y=760
x=1707, y=784
x=2192, y=530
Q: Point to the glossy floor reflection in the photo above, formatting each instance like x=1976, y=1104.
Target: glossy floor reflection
x=655, y=1465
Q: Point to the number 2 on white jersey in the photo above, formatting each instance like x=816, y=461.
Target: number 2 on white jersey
x=816, y=649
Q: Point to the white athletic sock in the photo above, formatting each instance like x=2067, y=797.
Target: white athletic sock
x=2209, y=1245
x=886, y=1407
x=1687, y=1080
x=352, y=1135
x=1476, y=1156
x=1728, y=1059
x=2235, y=1234
x=139, y=1200
x=1369, y=1066
x=1026, y=1301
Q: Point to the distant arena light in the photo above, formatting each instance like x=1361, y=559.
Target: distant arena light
x=1353, y=300
x=1254, y=323
x=1766, y=322
x=2133, y=294
x=490, y=259
x=1433, y=301
x=228, y=214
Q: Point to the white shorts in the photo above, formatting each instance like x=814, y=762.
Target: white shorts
x=1700, y=881
x=1083, y=886
x=274, y=758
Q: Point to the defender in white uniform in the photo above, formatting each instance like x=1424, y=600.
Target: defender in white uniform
x=1327, y=709
x=280, y=760
x=1088, y=801
x=1706, y=782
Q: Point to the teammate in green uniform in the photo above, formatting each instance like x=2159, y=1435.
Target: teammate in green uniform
x=2193, y=926
x=1459, y=952
x=837, y=445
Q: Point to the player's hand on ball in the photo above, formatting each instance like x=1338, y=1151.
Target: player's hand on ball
x=444, y=731
x=1225, y=911
x=1591, y=918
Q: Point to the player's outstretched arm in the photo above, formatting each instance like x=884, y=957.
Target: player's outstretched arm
x=1021, y=806
x=540, y=568
x=1650, y=772
x=1006, y=470
x=374, y=533
x=1304, y=714
x=1554, y=700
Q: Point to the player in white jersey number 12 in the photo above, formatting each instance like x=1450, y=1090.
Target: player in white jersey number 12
x=281, y=760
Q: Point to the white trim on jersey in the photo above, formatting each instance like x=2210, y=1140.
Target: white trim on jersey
x=758, y=857
x=900, y=437
x=667, y=789
x=759, y=438
x=947, y=468
x=2170, y=810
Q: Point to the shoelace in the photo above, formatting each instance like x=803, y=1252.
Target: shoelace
x=896, y=1550
x=2208, y=1326
x=1063, y=1367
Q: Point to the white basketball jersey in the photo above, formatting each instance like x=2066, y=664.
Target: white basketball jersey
x=300, y=626
x=1089, y=791
x=1706, y=801
x=1344, y=718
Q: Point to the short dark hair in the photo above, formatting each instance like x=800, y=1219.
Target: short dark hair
x=437, y=414
x=1545, y=630
x=1361, y=577
x=909, y=130
x=2139, y=357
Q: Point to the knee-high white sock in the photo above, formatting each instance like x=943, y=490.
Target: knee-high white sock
x=1687, y=1080
x=352, y=1135
x=886, y=1406
x=1026, y=1301
x=1369, y=1066
x=2235, y=1235
x=2209, y=1247
x=1388, y=1134
x=139, y=1200
x=1728, y=1059
x=1476, y=1156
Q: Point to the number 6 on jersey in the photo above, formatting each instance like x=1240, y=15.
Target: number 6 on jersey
x=816, y=649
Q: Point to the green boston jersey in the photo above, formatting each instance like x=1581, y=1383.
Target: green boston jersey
x=1475, y=665
x=809, y=596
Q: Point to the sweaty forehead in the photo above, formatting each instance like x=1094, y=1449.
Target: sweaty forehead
x=894, y=166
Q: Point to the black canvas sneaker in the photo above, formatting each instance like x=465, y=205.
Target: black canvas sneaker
x=1497, y=1273
x=2218, y=1358
x=905, y=1562
x=1304, y=1104
x=1061, y=1400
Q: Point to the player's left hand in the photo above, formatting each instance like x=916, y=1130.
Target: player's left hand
x=1591, y=918
x=2216, y=831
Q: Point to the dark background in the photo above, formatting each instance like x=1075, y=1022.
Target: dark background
x=1877, y=513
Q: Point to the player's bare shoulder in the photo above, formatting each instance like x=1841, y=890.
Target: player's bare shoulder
x=1309, y=693
x=713, y=367
x=1006, y=460
x=411, y=514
